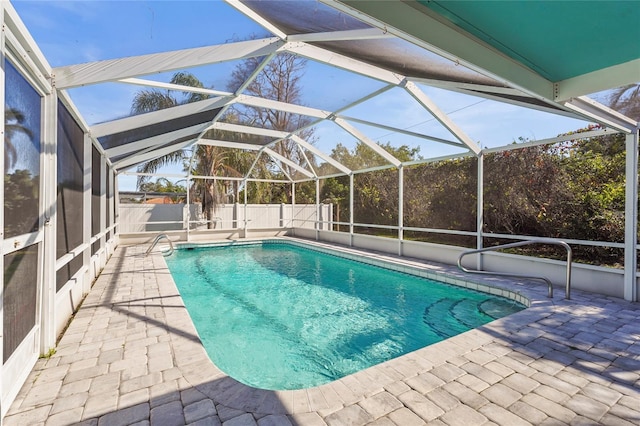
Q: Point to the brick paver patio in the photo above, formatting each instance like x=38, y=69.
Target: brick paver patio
x=131, y=355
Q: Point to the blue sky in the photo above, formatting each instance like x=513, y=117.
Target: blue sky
x=71, y=32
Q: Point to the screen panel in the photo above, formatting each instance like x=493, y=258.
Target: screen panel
x=20, y=297
x=22, y=120
x=95, y=198
x=70, y=175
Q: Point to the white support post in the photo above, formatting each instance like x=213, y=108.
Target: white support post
x=188, y=212
x=108, y=207
x=49, y=196
x=480, y=208
x=631, y=218
x=351, y=209
x=400, y=209
x=3, y=47
x=246, y=189
x=439, y=115
x=318, y=224
x=293, y=203
x=367, y=141
x=86, y=216
x=116, y=200
x=103, y=210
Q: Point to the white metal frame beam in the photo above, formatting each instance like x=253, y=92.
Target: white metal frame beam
x=364, y=139
x=150, y=118
x=229, y=144
x=288, y=162
x=241, y=7
x=171, y=86
x=306, y=145
x=557, y=139
x=494, y=93
x=250, y=130
x=155, y=140
x=340, y=61
x=593, y=110
x=118, y=69
x=596, y=81
x=443, y=118
x=360, y=34
x=233, y=98
x=138, y=158
x=404, y=132
x=257, y=102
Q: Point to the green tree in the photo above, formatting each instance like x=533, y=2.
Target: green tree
x=165, y=186
x=155, y=100
x=208, y=161
x=441, y=195
x=20, y=201
x=375, y=192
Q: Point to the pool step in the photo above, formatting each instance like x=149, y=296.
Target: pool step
x=448, y=317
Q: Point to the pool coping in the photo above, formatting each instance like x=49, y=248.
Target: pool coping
x=217, y=385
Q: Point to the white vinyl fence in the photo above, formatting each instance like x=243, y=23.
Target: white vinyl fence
x=168, y=217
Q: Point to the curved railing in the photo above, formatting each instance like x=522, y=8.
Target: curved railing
x=518, y=244
x=155, y=242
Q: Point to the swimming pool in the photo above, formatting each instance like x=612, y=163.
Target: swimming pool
x=281, y=316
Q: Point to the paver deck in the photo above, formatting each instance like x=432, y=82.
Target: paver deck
x=131, y=355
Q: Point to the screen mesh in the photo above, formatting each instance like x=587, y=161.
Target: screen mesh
x=95, y=198
x=19, y=298
x=70, y=190
x=22, y=122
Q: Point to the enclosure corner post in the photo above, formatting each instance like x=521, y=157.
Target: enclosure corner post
x=319, y=225
x=187, y=213
x=400, y=208
x=480, y=209
x=631, y=218
x=48, y=287
x=351, y=209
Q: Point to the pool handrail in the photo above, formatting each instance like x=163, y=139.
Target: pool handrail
x=509, y=274
x=156, y=240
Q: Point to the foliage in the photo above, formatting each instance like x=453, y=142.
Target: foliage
x=278, y=80
x=570, y=190
x=376, y=193
x=21, y=202
x=163, y=185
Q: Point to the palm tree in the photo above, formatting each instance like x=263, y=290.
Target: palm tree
x=154, y=100
x=208, y=161
x=278, y=81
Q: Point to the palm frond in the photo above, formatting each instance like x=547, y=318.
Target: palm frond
x=152, y=100
x=154, y=165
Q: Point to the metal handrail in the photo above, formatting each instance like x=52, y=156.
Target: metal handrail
x=518, y=244
x=156, y=240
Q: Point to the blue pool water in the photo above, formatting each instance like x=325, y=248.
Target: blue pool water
x=278, y=316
